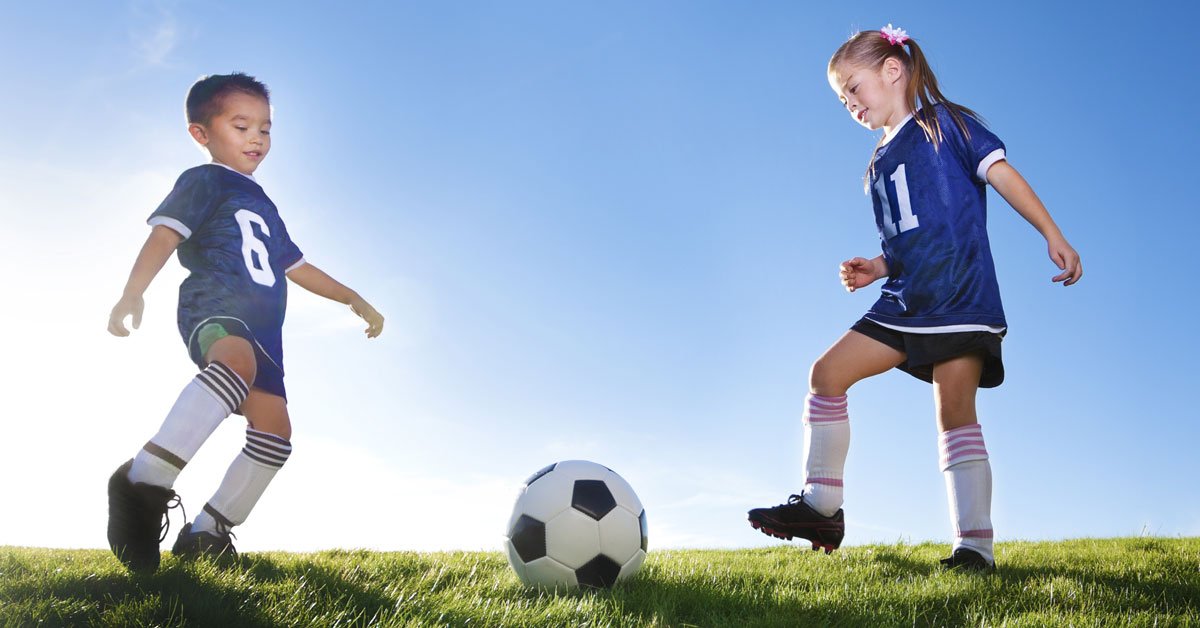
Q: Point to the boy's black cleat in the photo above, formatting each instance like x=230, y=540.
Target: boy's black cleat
x=137, y=519
x=796, y=518
x=217, y=546
x=966, y=559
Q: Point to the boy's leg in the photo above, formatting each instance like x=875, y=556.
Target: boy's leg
x=964, y=461
x=267, y=449
x=139, y=491
x=815, y=514
x=214, y=394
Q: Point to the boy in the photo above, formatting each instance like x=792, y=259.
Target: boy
x=231, y=309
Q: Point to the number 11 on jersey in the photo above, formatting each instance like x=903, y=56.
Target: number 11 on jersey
x=908, y=220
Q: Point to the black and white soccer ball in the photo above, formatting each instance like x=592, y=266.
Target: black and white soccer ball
x=576, y=523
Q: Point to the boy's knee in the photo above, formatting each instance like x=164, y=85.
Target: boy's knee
x=268, y=413
x=235, y=353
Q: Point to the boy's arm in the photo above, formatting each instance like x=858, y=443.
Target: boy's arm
x=1013, y=187
x=159, y=246
x=315, y=280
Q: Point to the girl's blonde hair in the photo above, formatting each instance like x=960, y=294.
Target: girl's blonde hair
x=869, y=49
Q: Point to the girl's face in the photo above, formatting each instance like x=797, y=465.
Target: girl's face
x=874, y=97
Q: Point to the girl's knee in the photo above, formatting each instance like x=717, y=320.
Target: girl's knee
x=825, y=380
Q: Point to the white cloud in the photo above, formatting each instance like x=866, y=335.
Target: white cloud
x=155, y=47
x=153, y=33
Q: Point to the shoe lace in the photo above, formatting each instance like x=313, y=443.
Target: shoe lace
x=226, y=532
x=173, y=502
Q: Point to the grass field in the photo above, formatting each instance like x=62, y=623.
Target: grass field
x=1109, y=582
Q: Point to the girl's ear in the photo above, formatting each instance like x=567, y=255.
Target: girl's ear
x=198, y=133
x=892, y=69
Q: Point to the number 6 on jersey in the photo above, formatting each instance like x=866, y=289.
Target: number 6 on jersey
x=260, y=270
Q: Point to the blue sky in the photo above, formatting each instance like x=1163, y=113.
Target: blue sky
x=605, y=231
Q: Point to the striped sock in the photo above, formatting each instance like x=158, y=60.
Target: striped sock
x=252, y=470
x=964, y=462
x=826, y=442
x=210, y=397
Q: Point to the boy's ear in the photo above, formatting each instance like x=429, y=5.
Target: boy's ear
x=198, y=133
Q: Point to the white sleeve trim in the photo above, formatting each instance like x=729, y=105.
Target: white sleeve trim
x=172, y=224
x=992, y=158
x=300, y=262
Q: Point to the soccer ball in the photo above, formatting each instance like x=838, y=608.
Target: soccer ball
x=576, y=523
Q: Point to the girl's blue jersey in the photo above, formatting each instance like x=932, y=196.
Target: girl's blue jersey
x=931, y=210
x=238, y=252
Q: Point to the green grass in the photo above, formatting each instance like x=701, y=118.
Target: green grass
x=1110, y=582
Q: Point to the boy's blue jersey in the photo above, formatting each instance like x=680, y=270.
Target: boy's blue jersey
x=238, y=252
x=931, y=210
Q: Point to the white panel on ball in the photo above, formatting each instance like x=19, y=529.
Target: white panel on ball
x=547, y=572
x=582, y=470
x=634, y=564
x=620, y=535
x=546, y=497
x=572, y=538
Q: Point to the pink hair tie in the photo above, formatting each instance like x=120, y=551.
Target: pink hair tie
x=893, y=35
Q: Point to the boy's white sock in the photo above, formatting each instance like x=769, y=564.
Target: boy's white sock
x=244, y=483
x=964, y=462
x=826, y=441
x=210, y=397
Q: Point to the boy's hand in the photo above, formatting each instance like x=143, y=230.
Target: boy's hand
x=1066, y=259
x=127, y=306
x=367, y=313
x=857, y=273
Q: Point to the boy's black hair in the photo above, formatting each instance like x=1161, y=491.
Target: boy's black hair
x=204, y=98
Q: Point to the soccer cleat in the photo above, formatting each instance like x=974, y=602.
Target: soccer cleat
x=965, y=559
x=796, y=518
x=190, y=545
x=137, y=519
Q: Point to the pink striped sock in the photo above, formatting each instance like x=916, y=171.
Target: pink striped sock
x=826, y=442
x=968, y=473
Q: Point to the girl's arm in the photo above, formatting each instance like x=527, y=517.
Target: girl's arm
x=1013, y=187
x=860, y=272
x=317, y=282
x=159, y=246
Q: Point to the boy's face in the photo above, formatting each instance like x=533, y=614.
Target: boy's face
x=240, y=135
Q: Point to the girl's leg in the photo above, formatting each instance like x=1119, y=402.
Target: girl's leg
x=854, y=357
x=267, y=449
x=826, y=423
x=964, y=457
x=208, y=399
x=815, y=514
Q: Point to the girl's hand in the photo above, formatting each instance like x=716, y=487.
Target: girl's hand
x=364, y=310
x=127, y=306
x=857, y=273
x=1066, y=259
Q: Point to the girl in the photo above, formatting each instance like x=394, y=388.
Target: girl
x=939, y=317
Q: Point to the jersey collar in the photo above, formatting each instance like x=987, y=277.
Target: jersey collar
x=890, y=136
x=248, y=176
